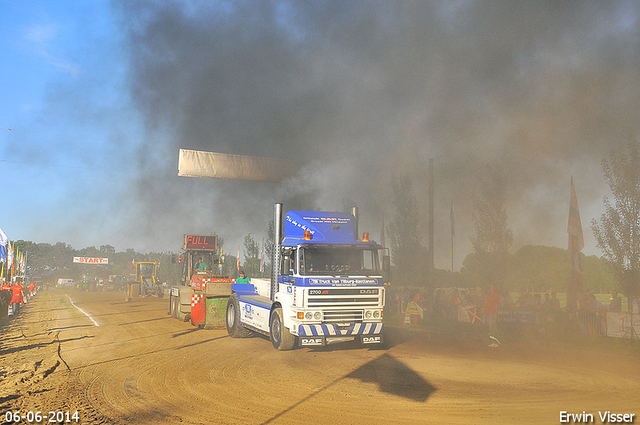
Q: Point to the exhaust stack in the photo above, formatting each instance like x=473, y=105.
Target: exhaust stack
x=278, y=223
x=354, y=212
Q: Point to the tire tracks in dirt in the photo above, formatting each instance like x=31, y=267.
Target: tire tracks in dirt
x=141, y=367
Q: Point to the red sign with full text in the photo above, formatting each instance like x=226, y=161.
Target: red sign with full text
x=208, y=242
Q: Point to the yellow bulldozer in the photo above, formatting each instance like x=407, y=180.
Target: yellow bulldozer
x=146, y=281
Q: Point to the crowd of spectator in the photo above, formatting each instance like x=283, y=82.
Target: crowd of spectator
x=541, y=309
x=14, y=294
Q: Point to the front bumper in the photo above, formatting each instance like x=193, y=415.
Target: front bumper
x=347, y=329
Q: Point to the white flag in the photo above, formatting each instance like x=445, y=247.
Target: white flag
x=3, y=247
x=9, y=255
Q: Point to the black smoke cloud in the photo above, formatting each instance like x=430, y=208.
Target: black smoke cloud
x=363, y=92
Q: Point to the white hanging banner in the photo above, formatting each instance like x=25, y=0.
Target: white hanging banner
x=89, y=260
x=232, y=167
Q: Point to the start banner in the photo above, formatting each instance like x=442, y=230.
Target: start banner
x=89, y=260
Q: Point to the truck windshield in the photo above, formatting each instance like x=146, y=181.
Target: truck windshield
x=146, y=270
x=338, y=260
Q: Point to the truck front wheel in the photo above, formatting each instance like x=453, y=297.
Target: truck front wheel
x=281, y=338
x=234, y=327
x=172, y=306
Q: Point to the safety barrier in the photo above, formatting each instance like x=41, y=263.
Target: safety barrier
x=591, y=322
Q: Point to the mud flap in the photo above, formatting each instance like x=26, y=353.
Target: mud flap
x=198, y=309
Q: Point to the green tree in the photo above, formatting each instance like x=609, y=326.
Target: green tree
x=597, y=274
x=618, y=231
x=49, y=262
x=492, y=238
x=229, y=266
x=251, y=256
x=538, y=268
x=268, y=247
x=542, y=268
x=107, y=249
x=408, y=255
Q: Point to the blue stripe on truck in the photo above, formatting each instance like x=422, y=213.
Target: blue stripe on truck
x=331, y=329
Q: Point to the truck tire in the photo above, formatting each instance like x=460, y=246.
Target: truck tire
x=174, y=306
x=234, y=327
x=281, y=338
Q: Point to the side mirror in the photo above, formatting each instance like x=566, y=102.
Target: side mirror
x=386, y=263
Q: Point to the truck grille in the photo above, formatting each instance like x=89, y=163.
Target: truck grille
x=346, y=301
x=340, y=316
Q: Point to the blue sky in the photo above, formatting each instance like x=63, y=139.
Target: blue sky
x=100, y=95
x=67, y=127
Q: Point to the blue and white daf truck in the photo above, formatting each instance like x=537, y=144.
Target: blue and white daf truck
x=326, y=286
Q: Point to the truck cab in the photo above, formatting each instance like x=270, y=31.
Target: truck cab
x=326, y=285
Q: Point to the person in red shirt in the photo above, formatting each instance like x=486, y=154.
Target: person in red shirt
x=5, y=298
x=18, y=297
x=5, y=286
x=32, y=288
x=491, y=306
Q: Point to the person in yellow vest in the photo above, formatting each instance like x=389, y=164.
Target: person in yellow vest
x=414, y=310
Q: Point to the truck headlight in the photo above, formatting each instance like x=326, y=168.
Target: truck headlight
x=368, y=314
x=308, y=315
x=376, y=314
x=317, y=315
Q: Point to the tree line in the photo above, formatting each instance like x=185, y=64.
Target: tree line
x=50, y=262
x=534, y=268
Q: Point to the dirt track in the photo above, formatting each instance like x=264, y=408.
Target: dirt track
x=140, y=366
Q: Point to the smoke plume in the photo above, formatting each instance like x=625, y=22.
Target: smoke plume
x=364, y=91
